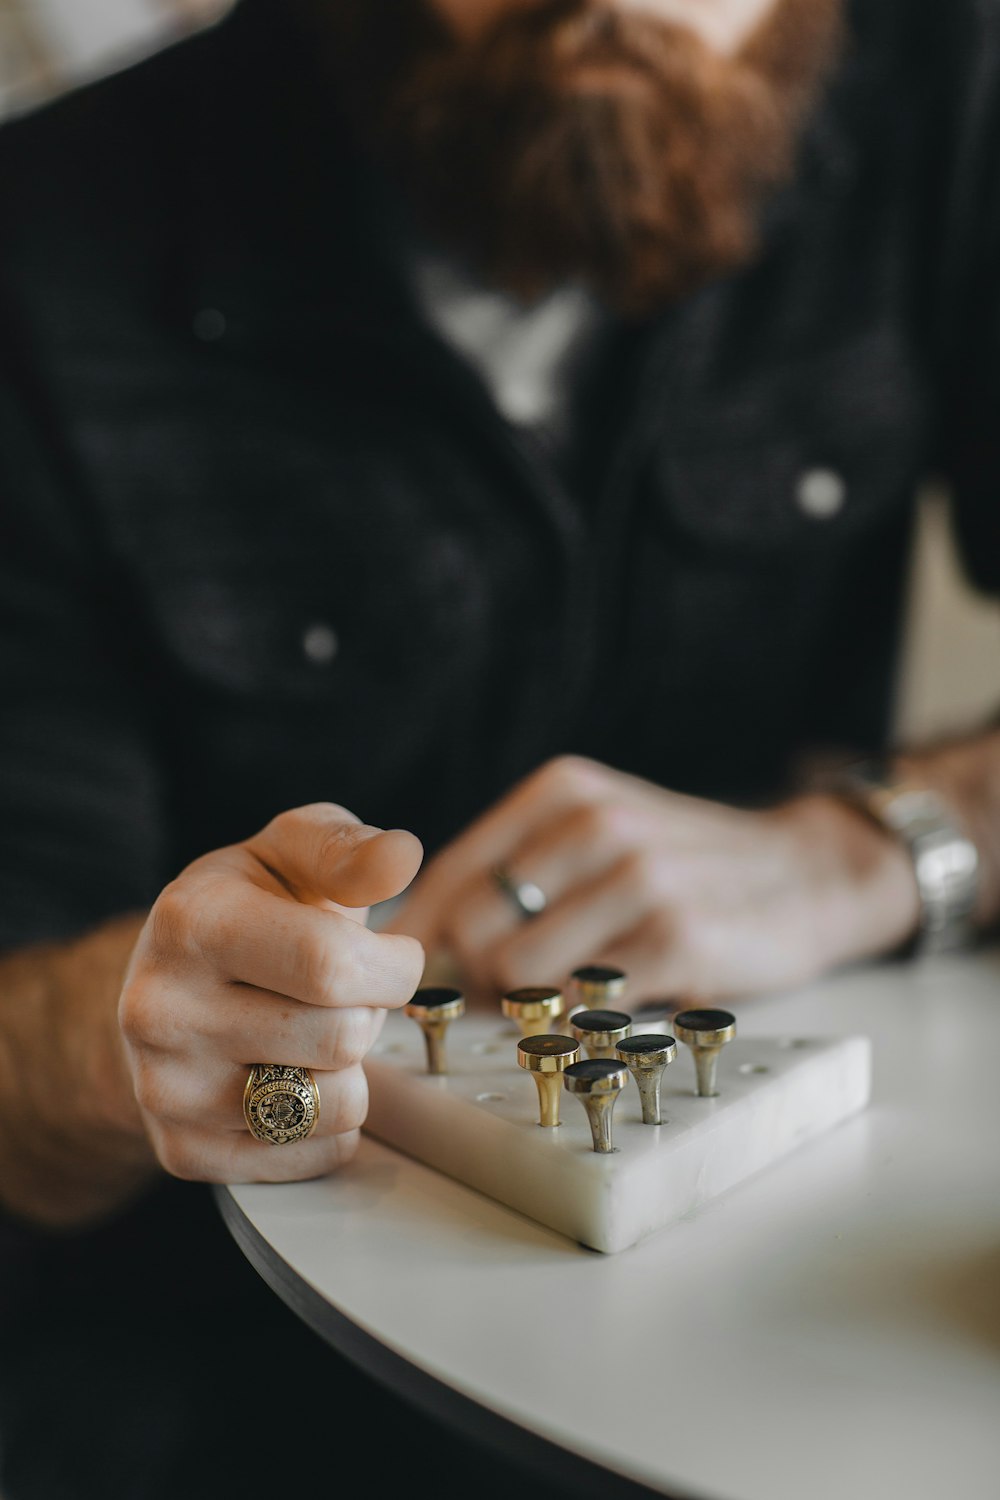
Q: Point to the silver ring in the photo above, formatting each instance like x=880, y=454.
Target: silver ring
x=528, y=897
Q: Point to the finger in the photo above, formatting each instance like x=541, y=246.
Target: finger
x=207, y=1101
x=576, y=847
x=245, y=1024
x=322, y=850
x=492, y=840
x=574, y=931
x=204, y=1150
x=655, y=968
x=313, y=954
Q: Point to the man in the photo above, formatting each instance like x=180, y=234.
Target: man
x=502, y=419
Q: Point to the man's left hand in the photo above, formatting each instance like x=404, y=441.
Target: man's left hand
x=690, y=898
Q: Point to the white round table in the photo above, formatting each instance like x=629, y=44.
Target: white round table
x=829, y=1328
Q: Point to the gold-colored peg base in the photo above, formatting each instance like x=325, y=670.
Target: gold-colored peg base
x=535, y=1008
x=434, y=1009
x=549, y=1086
x=545, y=1056
x=600, y=1031
x=597, y=986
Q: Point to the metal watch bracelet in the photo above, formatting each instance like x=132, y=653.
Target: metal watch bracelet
x=945, y=860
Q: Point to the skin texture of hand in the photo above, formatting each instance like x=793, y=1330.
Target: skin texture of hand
x=690, y=898
x=259, y=953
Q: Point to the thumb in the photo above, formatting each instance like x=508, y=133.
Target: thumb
x=322, y=850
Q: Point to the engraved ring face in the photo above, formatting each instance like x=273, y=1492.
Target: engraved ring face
x=280, y=1104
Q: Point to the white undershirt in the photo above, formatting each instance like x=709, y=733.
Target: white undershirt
x=528, y=356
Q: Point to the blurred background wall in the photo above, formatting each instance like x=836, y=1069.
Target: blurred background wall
x=46, y=45
x=951, y=669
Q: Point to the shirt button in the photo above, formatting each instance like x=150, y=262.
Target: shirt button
x=209, y=325
x=320, y=644
x=820, y=493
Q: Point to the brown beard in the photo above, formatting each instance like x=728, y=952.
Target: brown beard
x=582, y=141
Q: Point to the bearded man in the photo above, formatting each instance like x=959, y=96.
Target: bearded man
x=503, y=418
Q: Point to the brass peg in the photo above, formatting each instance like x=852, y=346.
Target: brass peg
x=545, y=1057
x=597, y=987
x=647, y=1054
x=600, y=1031
x=597, y=1082
x=706, y=1032
x=434, y=1007
x=533, y=1008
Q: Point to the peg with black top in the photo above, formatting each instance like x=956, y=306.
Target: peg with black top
x=434, y=1007
x=535, y=1008
x=546, y=1058
x=596, y=987
x=647, y=1054
x=706, y=1032
x=597, y=1083
x=600, y=1031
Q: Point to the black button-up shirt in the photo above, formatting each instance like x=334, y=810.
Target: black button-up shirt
x=266, y=539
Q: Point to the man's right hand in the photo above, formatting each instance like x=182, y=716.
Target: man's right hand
x=259, y=952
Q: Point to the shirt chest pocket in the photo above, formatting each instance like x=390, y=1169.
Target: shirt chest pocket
x=808, y=459
x=317, y=628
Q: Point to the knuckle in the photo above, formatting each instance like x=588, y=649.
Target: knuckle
x=638, y=869
x=346, y=1148
x=346, y=1040
x=217, y=923
x=305, y=818
x=147, y=1086
x=598, y=822
x=137, y=1011
x=413, y=962
x=328, y=844
x=329, y=1154
x=171, y=918
x=319, y=826
x=573, y=775
x=193, y=915
x=323, y=965
x=181, y=1156
x=402, y=963
x=352, y=1109
x=314, y=811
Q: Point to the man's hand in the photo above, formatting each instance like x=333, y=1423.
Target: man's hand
x=259, y=953
x=690, y=898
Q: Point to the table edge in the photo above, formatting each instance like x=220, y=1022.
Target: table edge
x=541, y=1458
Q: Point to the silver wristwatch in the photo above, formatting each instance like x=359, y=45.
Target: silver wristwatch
x=945, y=860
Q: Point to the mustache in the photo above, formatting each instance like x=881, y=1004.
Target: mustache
x=583, y=139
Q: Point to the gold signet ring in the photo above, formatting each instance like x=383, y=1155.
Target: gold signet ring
x=280, y=1104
